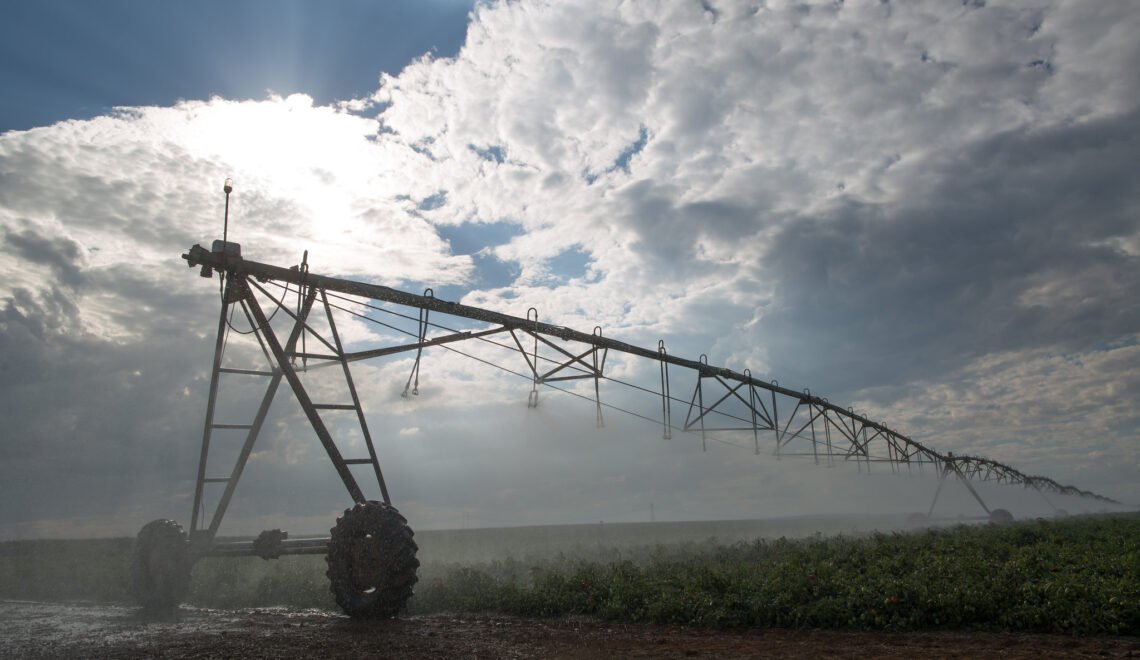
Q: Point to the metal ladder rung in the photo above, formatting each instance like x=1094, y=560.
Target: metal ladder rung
x=231, y=426
x=215, y=480
x=358, y=461
x=247, y=372
x=334, y=406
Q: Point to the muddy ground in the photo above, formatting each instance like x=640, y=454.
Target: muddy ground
x=54, y=630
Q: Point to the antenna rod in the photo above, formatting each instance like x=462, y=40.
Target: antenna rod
x=228, y=187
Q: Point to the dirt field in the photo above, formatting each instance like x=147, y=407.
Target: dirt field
x=52, y=630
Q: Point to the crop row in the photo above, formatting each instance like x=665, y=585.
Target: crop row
x=1079, y=575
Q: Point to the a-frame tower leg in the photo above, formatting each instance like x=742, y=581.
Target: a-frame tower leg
x=240, y=292
x=951, y=467
x=200, y=535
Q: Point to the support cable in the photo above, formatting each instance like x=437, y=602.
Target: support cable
x=786, y=436
x=789, y=436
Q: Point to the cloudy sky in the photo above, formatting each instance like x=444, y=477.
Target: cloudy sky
x=927, y=210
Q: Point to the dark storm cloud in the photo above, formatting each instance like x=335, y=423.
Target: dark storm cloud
x=52, y=311
x=1002, y=246
x=64, y=170
x=60, y=253
x=107, y=414
x=891, y=204
x=670, y=235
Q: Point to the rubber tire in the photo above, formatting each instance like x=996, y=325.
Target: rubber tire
x=1001, y=517
x=372, y=561
x=160, y=565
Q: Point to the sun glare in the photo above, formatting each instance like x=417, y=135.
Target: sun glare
x=319, y=172
x=315, y=156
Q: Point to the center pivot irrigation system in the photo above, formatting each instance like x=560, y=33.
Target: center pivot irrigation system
x=371, y=553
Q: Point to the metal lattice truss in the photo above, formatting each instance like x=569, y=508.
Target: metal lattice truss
x=722, y=401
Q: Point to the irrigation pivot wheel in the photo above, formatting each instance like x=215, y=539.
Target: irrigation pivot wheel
x=160, y=565
x=372, y=560
x=1001, y=517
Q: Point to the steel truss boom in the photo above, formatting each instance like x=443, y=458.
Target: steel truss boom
x=814, y=427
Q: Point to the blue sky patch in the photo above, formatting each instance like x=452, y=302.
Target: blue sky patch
x=432, y=202
x=570, y=264
x=621, y=163
x=494, y=153
x=476, y=239
x=76, y=59
x=471, y=237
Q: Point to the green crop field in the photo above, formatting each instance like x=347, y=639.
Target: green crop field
x=1076, y=575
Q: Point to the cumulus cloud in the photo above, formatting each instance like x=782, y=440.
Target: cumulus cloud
x=928, y=208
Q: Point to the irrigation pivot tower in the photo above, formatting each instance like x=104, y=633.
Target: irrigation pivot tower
x=371, y=552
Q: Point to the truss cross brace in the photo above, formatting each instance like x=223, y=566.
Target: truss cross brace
x=830, y=429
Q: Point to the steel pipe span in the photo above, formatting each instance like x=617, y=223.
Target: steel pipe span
x=819, y=416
